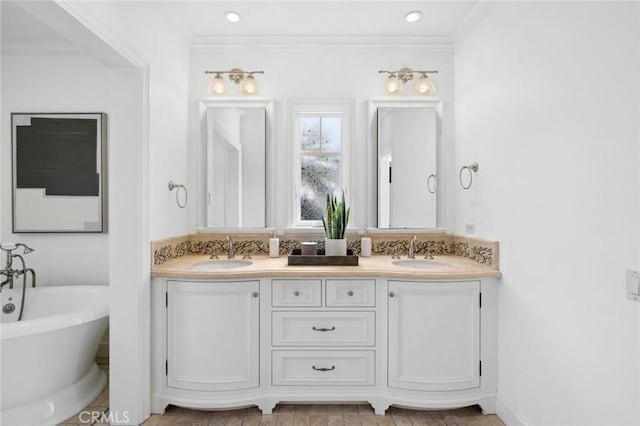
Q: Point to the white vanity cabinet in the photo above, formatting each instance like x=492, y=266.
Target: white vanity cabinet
x=233, y=343
x=434, y=335
x=213, y=335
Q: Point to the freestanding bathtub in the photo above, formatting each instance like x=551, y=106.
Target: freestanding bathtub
x=48, y=370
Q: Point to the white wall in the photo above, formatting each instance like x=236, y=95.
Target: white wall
x=547, y=104
x=316, y=70
x=153, y=100
x=151, y=30
x=54, y=84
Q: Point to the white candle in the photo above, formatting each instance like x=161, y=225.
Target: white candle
x=365, y=247
x=274, y=247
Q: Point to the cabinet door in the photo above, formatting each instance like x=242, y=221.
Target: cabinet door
x=212, y=335
x=434, y=331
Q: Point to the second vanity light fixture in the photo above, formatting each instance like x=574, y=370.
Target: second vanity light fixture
x=397, y=79
x=246, y=80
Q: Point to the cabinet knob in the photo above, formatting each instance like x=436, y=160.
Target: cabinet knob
x=392, y=294
x=255, y=294
x=296, y=293
x=350, y=292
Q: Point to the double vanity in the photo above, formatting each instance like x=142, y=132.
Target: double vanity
x=235, y=332
x=229, y=333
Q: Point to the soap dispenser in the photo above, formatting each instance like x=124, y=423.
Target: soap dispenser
x=365, y=245
x=274, y=245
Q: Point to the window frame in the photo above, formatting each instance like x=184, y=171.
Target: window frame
x=325, y=108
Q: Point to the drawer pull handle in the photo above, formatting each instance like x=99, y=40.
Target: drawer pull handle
x=296, y=293
x=255, y=294
x=392, y=294
x=323, y=328
x=350, y=293
x=333, y=367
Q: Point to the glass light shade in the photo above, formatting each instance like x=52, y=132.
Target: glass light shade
x=217, y=86
x=249, y=86
x=393, y=86
x=424, y=86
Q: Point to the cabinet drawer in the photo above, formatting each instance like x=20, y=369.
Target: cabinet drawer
x=296, y=293
x=323, y=368
x=351, y=293
x=323, y=328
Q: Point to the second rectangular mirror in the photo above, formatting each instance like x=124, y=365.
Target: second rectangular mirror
x=407, y=165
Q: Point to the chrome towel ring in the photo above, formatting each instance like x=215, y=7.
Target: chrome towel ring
x=471, y=168
x=177, y=187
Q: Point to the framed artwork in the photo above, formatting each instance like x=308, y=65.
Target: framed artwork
x=59, y=172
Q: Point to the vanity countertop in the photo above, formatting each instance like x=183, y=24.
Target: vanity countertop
x=374, y=266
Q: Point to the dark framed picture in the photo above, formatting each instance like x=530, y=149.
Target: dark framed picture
x=59, y=172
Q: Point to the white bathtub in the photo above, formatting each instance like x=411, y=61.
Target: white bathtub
x=48, y=370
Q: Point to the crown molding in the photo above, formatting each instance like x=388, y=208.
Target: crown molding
x=333, y=41
x=99, y=40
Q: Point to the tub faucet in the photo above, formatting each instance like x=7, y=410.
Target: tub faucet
x=7, y=281
x=231, y=254
x=412, y=248
x=9, y=272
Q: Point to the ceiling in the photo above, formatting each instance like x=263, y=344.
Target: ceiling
x=322, y=18
x=259, y=18
x=19, y=28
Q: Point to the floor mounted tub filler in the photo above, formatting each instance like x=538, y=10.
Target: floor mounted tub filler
x=48, y=369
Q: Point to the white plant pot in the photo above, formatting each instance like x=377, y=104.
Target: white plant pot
x=335, y=247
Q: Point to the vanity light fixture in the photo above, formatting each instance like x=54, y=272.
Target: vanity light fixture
x=397, y=79
x=246, y=80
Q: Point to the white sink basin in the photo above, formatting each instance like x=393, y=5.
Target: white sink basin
x=217, y=264
x=422, y=263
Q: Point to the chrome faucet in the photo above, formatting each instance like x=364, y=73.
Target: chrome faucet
x=412, y=248
x=9, y=272
x=231, y=254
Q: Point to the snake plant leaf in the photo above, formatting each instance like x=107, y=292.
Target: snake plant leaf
x=336, y=216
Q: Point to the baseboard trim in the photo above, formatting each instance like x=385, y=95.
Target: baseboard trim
x=507, y=414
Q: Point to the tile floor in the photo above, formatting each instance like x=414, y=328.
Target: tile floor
x=300, y=415
x=324, y=415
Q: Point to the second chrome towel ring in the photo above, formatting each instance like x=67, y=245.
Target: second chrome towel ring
x=471, y=169
x=177, y=187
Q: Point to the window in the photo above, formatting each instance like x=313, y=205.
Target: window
x=321, y=162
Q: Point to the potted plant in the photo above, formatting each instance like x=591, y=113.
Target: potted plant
x=336, y=217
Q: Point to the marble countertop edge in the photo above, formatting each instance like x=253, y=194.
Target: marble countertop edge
x=372, y=267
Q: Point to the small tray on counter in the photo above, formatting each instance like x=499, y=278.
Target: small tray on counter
x=296, y=258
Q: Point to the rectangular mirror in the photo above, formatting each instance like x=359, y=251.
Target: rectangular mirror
x=235, y=166
x=59, y=179
x=407, y=166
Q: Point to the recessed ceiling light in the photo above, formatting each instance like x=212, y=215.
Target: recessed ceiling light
x=232, y=16
x=412, y=16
